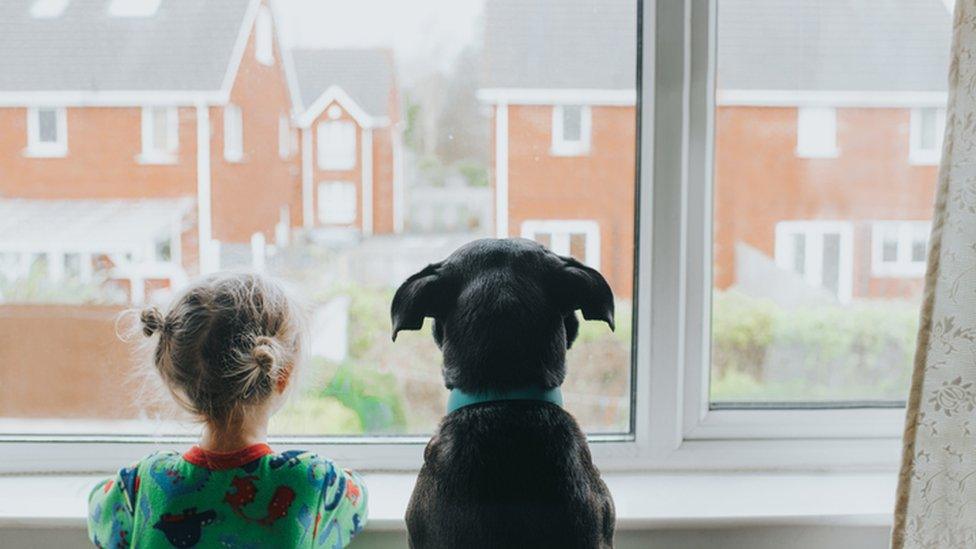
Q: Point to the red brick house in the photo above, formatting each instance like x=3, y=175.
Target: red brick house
x=347, y=110
x=827, y=136
x=134, y=133
x=827, y=143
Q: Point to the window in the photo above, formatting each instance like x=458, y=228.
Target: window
x=264, y=37
x=336, y=145
x=816, y=132
x=899, y=248
x=233, y=134
x=47, y=132
x=337, y=202
x=284, y=137
x=160, y=134
x=141, y=233
x=927, y=127
x=577, y=238
x=819, y=253
x=570, y=130
x=775, y=344
x=814, y=302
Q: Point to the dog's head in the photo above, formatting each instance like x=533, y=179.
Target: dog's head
x=504, y=312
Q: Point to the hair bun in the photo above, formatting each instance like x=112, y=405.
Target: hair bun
x=264, y=353
x=152, y=321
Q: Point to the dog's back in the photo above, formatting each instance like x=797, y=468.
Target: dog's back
x=506, y=473
x=510, y=474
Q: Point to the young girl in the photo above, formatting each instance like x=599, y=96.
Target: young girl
x=227, y=350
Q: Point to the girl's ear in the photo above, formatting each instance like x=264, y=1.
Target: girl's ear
x=284, y=378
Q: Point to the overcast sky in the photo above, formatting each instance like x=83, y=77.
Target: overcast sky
x=421, y=32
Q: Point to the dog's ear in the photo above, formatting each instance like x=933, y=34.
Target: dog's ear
x=418, y=297
x=578, y=286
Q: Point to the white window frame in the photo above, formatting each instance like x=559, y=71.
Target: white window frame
x=331, y=215
x=808, y=143
x=150, y=154
x=233, y=133
x=284, y=137
x=326, y=149
x=916, y=154
x=42, y=149
x=673, y=426
x=264, y=37
x=571, y=147
x=814, y=232
x=903, y=266
x=561, y=231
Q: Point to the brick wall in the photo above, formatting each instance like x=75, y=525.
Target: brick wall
x=102, y=161
x=598, y=186
x=759, y=181
x=248, y=195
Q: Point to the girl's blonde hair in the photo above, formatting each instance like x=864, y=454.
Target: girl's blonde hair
x=225, y=342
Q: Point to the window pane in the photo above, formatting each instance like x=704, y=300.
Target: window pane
x=831, y=263
x=406, y=126
x=160, y=129
x=799, y=254
x=337, y=145
x=889, y=250
x=816, y=131
x=572, y=122
x=928, y=129
x=47, y=125
x=919, y=248
x=814, y=136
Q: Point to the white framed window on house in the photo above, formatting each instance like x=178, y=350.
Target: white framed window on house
x=819, y=252
x=816, y=132
x=571, y=130
x=47, y=131
x=899, y=249
x=160, y=134
x=337, y=202
x=575, y=237
x=336, y=140
x=927, y=129
x=264, y=37
x=233, y=133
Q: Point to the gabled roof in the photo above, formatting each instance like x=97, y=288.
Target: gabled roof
x=187, y=46
x=362, y=77
x=833, y=45
x=561, y=44
x=789, y=45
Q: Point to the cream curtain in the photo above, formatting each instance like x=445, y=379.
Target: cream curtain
x=936, y=499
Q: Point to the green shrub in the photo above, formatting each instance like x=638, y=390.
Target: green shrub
x=761, y=351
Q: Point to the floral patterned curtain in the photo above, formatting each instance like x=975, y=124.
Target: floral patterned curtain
x=936, y=499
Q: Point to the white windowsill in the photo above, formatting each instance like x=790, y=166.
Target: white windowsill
x=156, y=159
x=46, y=152
x=817, y=154
x=569, y=150
x=643, y=501
x=925, y=159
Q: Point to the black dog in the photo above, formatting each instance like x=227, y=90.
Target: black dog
x=506, y=473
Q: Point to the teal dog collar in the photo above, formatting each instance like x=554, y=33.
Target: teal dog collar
x=459, y=399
